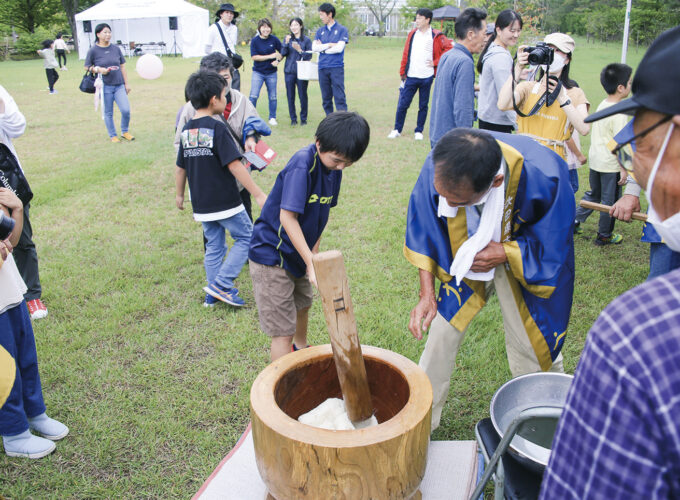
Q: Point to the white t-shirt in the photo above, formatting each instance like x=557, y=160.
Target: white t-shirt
x=12, y=287
x=215, y=43
x=60, y=44
x=421, y=53
x=12, y=122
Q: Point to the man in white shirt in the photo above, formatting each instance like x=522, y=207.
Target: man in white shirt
x=424, y=46
x=224, y=21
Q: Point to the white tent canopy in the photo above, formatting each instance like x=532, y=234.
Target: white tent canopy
x=147, y=22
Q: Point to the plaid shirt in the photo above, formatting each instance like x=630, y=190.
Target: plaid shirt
x=619, y=435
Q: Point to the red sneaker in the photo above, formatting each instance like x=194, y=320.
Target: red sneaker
x=36, y=309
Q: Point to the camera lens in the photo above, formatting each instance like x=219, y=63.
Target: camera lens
x=6, y=226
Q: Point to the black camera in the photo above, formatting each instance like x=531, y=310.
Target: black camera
x=541, y=54
x=6, y=226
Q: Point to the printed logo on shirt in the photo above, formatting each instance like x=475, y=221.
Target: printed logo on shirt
x=324, y=200
x=198, y=141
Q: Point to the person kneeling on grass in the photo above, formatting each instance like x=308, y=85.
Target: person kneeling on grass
x=288, y=231
x=208, y=157
x=22, y=408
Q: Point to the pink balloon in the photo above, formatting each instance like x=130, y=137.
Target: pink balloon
x=149, y=66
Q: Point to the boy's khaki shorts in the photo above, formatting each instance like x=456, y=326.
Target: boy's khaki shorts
x=279, y=296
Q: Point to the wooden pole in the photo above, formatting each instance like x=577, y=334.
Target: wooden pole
x=591, y=205
x=331, y=279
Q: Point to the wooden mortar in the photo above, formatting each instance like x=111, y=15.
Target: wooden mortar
x=299, y=461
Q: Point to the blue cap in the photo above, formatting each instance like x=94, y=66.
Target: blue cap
x=655, y=85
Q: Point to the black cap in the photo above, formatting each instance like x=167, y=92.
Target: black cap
x=655, y=85
x=228, y=7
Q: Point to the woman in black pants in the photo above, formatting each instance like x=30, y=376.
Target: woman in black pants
x=295, y=48
x=61, y=49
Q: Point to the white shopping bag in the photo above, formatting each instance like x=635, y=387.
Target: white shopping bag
x=307, y=70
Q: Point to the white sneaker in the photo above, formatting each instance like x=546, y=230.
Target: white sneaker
x=419, y=136
x=394, y=134
x=272, y=121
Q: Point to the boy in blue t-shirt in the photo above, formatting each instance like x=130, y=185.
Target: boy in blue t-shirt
x=208, y=157
x=288, y=231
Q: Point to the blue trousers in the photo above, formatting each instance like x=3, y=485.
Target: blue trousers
x=116, y=93
x=406, y=94
x=291, y=83
x=268, y=79
x=26, y=400
x=662, y=260
x=332, y=85
x=217, y=268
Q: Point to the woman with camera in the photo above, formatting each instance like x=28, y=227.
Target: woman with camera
x=295, y=48
x=494, y=66
x=551, y=117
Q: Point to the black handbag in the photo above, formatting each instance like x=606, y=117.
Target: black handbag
x=87, y=83
x=236, y=59
x=12, y=177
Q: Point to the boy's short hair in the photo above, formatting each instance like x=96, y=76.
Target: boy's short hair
x=47, y=44
x=425, y=13
x=203, y=86
x=216, y=61
x=613, y=75
x=470, y=19
x=327, y=8
x=345, y=133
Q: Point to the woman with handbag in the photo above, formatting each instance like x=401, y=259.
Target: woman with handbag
x=265, y=51
x=223, y=37
x=107, y=60
x=294, y=49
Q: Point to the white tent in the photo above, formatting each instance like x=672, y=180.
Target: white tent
x=147, y=23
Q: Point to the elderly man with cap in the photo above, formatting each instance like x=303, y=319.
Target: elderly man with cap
x=619, y=435
x=491, y=211
x=223, y=37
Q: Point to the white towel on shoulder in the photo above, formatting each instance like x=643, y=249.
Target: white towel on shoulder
x=489, y=229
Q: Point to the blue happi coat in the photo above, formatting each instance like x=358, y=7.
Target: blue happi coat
x=537, y=236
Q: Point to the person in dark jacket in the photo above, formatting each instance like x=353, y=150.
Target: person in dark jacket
x=296, y=47
x=424, y=46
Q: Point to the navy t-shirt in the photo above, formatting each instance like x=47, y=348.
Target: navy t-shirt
x=205, y=150
x=107, y=57
x=305, y=186
x=263, y=47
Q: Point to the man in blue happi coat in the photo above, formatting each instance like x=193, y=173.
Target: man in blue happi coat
x=491, y=211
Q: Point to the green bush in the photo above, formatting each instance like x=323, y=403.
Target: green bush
x=28, y=43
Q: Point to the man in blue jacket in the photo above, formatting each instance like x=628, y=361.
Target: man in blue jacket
x=330, y=43
x=453, y=102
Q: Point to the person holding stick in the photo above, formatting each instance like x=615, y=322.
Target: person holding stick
x=618, y=435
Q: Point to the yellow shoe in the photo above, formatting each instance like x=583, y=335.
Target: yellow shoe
x=128, y=136
x=115, y=139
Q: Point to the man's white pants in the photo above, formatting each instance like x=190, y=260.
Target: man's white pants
x=439, y=357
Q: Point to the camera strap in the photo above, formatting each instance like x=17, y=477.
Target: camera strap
x=547, y=97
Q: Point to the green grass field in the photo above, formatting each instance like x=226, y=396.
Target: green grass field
x=153, y=386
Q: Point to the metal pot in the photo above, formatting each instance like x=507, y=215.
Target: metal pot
x=544, y=395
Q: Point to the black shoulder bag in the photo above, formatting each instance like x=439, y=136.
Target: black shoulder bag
x=236, y=59
x=12, y=177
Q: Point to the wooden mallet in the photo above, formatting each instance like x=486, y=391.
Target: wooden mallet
x=331, y=279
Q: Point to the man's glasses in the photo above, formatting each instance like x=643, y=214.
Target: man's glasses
x=624, y=155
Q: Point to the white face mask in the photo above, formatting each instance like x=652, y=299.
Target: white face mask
x=558, y=63
x=668, y=229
